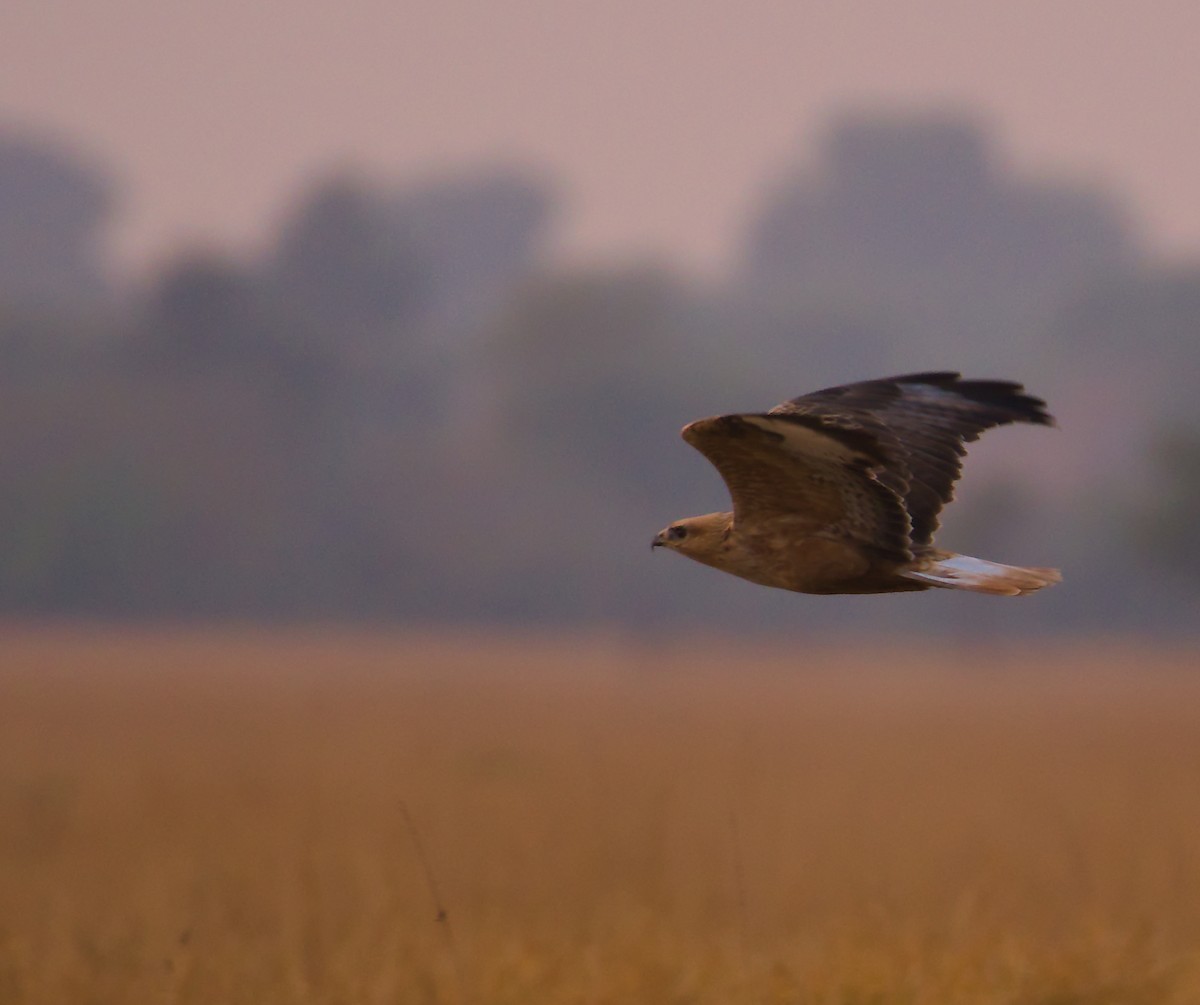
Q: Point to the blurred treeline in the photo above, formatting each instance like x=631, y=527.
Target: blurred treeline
x=405, y=408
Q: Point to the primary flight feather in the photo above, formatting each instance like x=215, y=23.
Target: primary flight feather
x=839, y=491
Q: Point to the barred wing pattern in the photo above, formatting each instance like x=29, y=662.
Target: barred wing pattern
x=919, y=424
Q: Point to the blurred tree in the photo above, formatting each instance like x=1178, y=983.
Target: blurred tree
x=585, y=361
x=347, y=270
x=204, y=309
x=911, y=217
x=206, y=313
x=439, y=255
x=53, y=205
x=1168, y=519
x=1147, y=320
x=480, y=233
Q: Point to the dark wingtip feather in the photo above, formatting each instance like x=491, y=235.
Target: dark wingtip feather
x=1006, y=396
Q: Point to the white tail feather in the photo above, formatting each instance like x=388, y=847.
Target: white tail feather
x=961, y=572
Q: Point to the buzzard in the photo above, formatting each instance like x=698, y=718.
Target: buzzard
x=839, y=491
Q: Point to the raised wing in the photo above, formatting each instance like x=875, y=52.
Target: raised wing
x=921, y=422
x=818, y=473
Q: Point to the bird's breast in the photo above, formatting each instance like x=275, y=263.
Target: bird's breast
x=792, y=560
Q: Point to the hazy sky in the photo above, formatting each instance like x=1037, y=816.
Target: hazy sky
x=663, y=118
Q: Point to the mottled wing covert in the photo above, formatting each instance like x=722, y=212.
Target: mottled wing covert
x=818, y=473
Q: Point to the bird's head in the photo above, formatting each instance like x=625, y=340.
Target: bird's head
x=698, y=537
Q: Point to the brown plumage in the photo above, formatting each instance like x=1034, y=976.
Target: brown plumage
x=839, y=491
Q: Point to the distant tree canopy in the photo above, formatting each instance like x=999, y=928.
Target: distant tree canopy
x=53, y=208
x=481, y=233
x=346, y=267
x=583, y=363
x=1169, y=518
x=206, y=310
x=402, y=409
x=375, y=261
x=914, y=215
x=1149, y=317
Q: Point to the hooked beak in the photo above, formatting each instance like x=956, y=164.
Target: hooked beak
x=659, y=541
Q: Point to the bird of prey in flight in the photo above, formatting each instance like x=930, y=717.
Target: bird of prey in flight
x=839, y=491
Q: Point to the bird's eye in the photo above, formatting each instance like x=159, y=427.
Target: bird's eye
x=677, y=533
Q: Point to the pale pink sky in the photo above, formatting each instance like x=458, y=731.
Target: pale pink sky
x=663, y=118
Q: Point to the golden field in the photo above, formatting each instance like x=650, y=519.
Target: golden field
x=223, y=817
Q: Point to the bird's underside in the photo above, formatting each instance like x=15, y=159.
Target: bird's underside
x=839, y=491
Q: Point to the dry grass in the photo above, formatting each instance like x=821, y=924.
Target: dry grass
x=218, y=818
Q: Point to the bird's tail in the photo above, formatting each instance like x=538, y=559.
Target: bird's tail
x=961, y=572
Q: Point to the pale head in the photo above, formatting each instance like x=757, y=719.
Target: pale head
x=700, y=537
